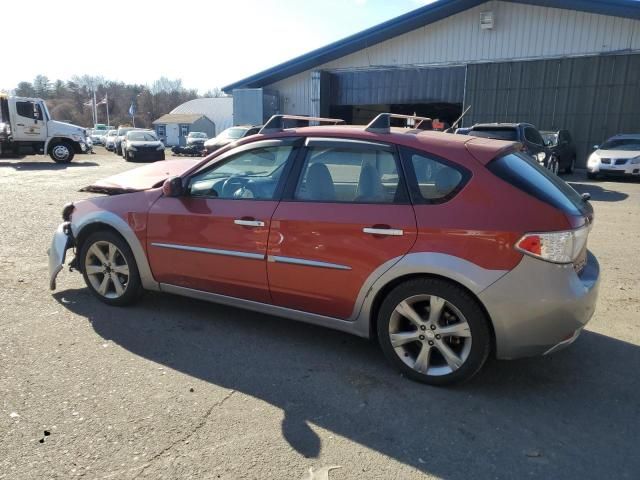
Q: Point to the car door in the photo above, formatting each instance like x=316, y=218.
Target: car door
x=29, y=122
x=344, y=216
x=214, y=237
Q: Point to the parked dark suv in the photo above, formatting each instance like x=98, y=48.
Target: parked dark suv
x=525, y=133
x=563, y=148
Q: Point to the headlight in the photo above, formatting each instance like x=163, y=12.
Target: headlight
x=593, y=161
x=635, y=161
x=540, y=156
x=132, y=149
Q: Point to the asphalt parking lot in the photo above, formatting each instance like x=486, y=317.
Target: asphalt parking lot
x=177, y=388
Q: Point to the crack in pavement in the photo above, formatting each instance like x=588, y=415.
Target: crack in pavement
x=195, y=429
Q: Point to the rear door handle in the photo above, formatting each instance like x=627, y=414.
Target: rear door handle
x=393, y=232
x=249, y=223
x=19, y=124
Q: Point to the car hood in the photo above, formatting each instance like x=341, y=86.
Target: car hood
x=618, y=153
x=143, y=178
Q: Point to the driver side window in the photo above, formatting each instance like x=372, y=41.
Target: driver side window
x=253, y=174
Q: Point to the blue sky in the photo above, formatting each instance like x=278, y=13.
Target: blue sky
x=206, y=43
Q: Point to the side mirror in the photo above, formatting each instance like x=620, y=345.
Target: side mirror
x=596, y=147
x=586, y=197
x=172, y=187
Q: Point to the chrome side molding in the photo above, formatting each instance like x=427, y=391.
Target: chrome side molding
x=308, y=263
x=212, y=251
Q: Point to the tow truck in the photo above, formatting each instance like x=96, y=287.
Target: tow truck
x=26, y=128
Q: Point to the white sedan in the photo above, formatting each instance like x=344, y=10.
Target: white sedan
x=619, y=156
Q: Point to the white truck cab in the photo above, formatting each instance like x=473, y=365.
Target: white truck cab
x=26, y=128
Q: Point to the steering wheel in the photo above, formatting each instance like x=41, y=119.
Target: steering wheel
x=231, y=185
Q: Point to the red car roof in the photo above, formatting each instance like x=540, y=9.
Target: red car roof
x=445, y=145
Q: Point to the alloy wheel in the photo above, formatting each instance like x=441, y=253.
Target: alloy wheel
x=107, y=269
x=430, y=335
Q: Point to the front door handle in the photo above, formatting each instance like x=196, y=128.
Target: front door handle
x=249, y=223
x=19, y=124
x=393, y=232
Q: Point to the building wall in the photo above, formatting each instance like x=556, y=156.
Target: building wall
x=521, y=32
x=593, y=97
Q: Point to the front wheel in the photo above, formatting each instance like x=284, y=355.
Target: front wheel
x=434, y=331
x=571, y=167
x=109, y=269
x=554, y=165
x=62, y=152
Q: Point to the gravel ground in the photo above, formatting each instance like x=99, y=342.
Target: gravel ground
x=177, y=388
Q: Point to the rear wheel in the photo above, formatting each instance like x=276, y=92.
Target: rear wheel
x=109, y=269
x=434, y=331
x=592, y=176
x=62, y=152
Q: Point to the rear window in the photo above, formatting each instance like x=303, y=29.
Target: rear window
x=508, y=134
x=531, y=178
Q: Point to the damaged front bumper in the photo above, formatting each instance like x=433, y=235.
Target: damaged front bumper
x=62, y=241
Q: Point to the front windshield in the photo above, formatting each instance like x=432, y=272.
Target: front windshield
x=112, y=133
x=232, y=133
x=632, y=144
x=197, y=135
x=123, y=131
x=550, y=138
x=141, y=137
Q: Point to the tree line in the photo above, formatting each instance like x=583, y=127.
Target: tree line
x=70, y=101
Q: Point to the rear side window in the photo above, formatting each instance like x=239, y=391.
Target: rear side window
x=432, y=180
x=508, y=134
x=350, y=175
x=531, y=178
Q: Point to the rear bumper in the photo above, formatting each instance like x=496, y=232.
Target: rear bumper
x=541, y=307
x=62, y=241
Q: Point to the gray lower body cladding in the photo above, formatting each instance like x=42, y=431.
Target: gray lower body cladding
x=539, y=305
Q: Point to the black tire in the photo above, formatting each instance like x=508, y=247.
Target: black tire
x=592, y=176
x=569, y=168
x=133, y=286
x=465, y=303
x=127, y=158
x=61, y=152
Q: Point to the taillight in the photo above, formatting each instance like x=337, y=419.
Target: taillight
x=556, y=247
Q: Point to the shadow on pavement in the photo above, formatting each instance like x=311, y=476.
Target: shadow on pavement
x=571, y=415
x=51, y=165
x=598, y=193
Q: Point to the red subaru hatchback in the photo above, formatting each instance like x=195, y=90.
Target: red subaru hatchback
x=446, y=248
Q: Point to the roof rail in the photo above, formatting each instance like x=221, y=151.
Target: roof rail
x=382, y=123
x=276, y=122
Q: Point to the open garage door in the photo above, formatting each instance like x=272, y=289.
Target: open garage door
x=358, y=96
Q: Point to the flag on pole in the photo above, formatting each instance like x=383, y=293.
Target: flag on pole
x=132, y=109
x=103, y=101
x=88, y=103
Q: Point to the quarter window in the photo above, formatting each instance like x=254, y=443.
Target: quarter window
x=436, y=181
x=253, y=174
x=337, y=174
